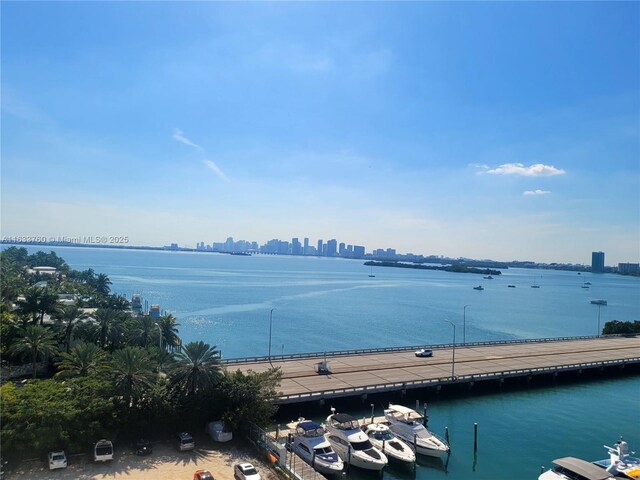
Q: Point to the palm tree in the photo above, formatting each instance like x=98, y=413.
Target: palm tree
x=68, y=315
x=85, y=359
x=197, y=367
x=48, y=303
x=101, y=284
x=133, y=372
x=110, y=327
x=144, y=331
x=31, y=303
x=34, y=341
x=168, y=327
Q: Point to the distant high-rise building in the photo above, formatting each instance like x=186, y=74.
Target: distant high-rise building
x=332, y=248
x=342, y=249
x=319, y=247
x=296, y=247
x=597, y=262
x=305, y=248
x=358, y=251
x=629, y=268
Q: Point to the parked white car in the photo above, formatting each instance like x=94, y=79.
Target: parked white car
x=245, y=471
x=103, y=451
x=57, y=460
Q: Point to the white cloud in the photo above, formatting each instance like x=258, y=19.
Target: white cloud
x=215, y=169
x=179, y=136
x=535, y=192
x=535, y=170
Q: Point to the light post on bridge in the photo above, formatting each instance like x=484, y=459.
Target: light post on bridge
x=270, y=323
x=464, y=324
x=453, y=355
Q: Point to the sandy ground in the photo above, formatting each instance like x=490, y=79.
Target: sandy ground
x=165, y=463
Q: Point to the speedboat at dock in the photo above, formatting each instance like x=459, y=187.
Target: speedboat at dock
x=406, y=424
x=351, y=443
x=311, y=445
x=394, y=448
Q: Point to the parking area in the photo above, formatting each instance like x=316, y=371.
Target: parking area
x=165, y=463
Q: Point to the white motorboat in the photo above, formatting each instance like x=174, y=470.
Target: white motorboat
x=570, y=468
x=395, y=449
x=311, y=445
x=405, y=424
x=621, y=462
x=351, y=443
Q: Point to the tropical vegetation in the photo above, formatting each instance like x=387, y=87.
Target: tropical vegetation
x=96, y=368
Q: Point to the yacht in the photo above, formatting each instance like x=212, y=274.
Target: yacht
x=311, y=445
x=621, y=462
x=570, y=468
x=488, y=277
x=395, y=449
x=351, y=443
x=405, y=424
x=479, y=287
x=599, y=302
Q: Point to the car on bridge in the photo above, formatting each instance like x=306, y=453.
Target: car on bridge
x=424, y=352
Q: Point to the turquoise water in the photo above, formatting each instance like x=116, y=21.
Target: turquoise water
x=326, y=304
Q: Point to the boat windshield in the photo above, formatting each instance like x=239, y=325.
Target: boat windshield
x=350, y=425
x=381, y=435
x=323, y=450
x=364, y=445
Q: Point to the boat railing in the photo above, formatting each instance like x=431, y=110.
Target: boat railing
x=399, y=349
x=349, y=391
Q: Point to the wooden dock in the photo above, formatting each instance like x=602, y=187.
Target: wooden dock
x=374, y=371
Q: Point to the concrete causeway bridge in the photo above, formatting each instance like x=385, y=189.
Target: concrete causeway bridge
x=368, y=371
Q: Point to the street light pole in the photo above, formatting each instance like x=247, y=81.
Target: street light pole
x=270, y=323
x=159, y=335
x=464, y=324
x=599, y=306
x=453, y=359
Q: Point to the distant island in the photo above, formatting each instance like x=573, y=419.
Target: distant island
x=458, y=268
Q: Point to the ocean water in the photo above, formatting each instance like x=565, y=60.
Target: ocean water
x=323, y=304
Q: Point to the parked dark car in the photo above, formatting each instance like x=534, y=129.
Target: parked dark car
x=142, y=447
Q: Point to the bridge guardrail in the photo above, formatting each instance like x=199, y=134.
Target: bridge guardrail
x=364, y=351
x=340, y=392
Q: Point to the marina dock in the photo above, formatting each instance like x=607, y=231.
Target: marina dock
x=362, y=372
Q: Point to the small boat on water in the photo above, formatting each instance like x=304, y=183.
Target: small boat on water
x=621, y=463
x=479, y=287
x=351, y=443
x=511, y=286
x=571, y=468
x=488, y=277
x=311, y=445
x=394, y=448
x=406, y=425
x=599, y=302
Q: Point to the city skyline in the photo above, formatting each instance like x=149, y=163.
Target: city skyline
x=485, y=130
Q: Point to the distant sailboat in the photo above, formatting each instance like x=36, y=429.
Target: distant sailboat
x=371, y=274
x=535, y=285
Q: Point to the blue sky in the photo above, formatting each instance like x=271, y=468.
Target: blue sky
x=488, y=130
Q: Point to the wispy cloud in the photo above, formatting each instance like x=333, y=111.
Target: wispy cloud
x=529, y=193
x=178, y=135
x=535, y=170
x=215, y=169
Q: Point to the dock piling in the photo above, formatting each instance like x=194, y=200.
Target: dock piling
x=475, y=438
x=446, y=435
